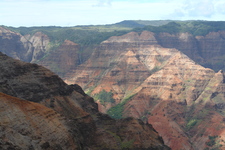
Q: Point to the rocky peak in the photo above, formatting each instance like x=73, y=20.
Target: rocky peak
x=39, y=42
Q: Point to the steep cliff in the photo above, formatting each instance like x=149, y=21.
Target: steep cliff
x=206, y=50
x=132, y=75
x=40, y=111
x=63, y=59
x=27, y=48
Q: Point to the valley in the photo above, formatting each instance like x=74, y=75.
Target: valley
x=168, y=75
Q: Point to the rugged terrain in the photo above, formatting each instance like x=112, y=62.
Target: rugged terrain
x=146, y=74
x=40, y=111
x=202, y=41
x=132, y=75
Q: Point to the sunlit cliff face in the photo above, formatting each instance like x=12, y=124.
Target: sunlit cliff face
x=159, y=85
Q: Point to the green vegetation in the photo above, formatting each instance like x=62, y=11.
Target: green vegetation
x=191, y=124
x=89, y=90
x=214, y=143
x=116, y=112
x=153, y=22
x=192, y=119
x=127, y=144
x=123, y=144
x=155, y=69
x=92, y=35
x=88, y=37
x=83, y=35
x=104, y=96
x=193, y=27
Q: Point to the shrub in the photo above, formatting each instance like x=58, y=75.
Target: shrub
x=116, y=112
x=191, y=123
x=104, y=96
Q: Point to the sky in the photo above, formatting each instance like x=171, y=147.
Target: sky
x=64, y=13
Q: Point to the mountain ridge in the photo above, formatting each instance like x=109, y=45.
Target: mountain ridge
x=147, y=74
x=191, y=37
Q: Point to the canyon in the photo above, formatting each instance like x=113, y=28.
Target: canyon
x=161, y=86
x=172, y=82
x=40, y=111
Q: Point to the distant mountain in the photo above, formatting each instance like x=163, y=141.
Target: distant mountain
x=129, y=24
x=142, y=23
x=26, y=42
x=132, y=69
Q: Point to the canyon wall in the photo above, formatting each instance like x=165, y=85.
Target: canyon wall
x=146, y=75
x=133, y=76
x=40, y=111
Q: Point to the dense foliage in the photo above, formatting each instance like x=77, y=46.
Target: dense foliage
x=104, y=96
x=193, y=27
x=116, y=112
x=88, y=37
x=81, y=35
x=92, y=35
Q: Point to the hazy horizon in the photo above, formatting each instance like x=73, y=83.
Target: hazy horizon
x=66, y=13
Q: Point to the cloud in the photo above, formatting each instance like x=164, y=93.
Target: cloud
x=86, y=12
x=220, y=7
x=203, y=8
x=197, y=9
x=103, y=3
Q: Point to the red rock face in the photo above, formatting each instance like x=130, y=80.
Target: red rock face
x=206, y=50
x=63, y=59
x=60, y=116
x=161, y=86
x=23, y=121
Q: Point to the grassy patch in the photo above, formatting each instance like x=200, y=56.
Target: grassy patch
x=191, y=124
x=116, y=112
x=123, y=144
x=104, y=96
x=155, y=69
x=127, y=144
x=193, y=27
x=214, y=143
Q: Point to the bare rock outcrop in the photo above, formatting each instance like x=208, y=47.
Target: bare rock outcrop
x=29, y=48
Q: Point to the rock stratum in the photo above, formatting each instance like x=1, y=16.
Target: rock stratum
x=39, y=111
x=38, y=48
x=134, y=76
x=145, y=75
x=44, y=47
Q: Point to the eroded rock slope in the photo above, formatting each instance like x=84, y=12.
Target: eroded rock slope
x=132, y=75
x=39, y=111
